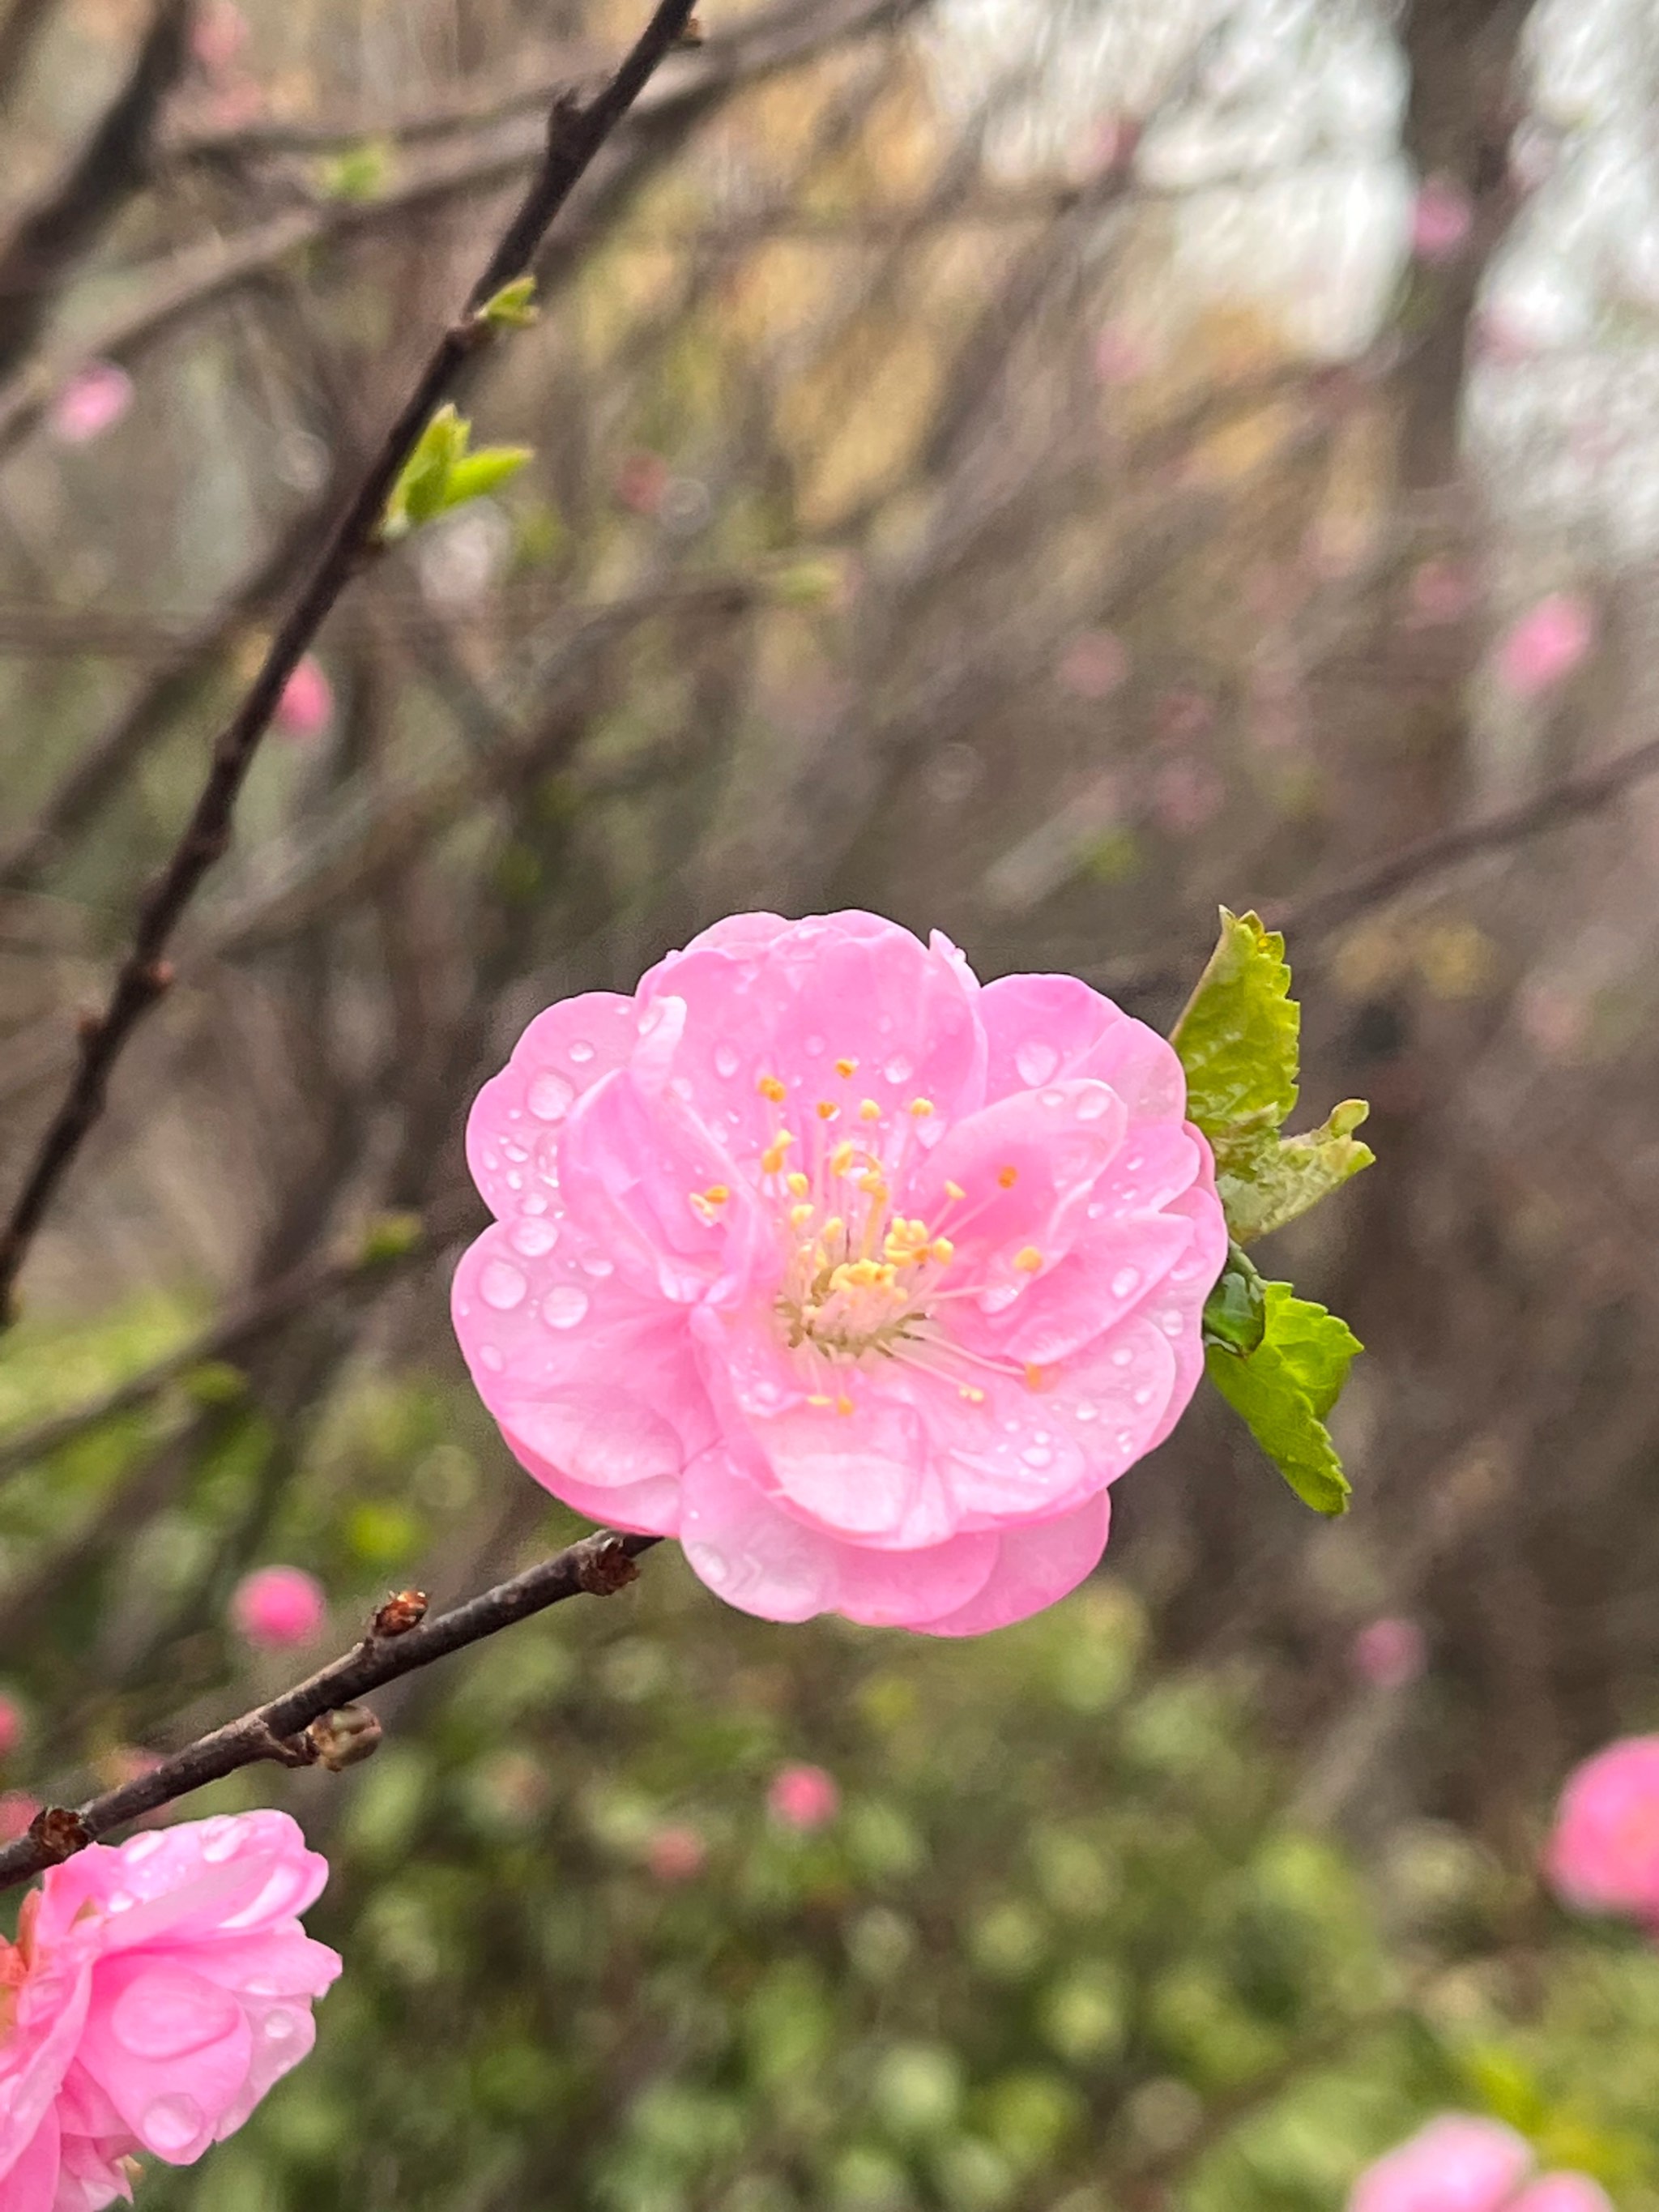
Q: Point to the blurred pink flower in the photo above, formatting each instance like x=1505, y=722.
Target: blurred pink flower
x=1563, y=2192
x=642, y=480
x=863, y=1280
x=276, y=1606
x=1442, y=215
x=1094, y=665
x=1544, y=646
x=677, y=1854
x=218, y=35
x=1440, y=591
x=155, y=1992
x=1186, y=795
x=1457, y=2163
x=17, y=1811
x=307, y=705
x=803, y=1798
x=1390, y=1653
x=1120, y=356
x=1552, y=1018
x=11, y=1725
x=92, y=401
x=1604, y=1854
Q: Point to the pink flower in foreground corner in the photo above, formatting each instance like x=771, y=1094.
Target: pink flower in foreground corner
x=276, y=1606
x=1604, y=1854
x=803, y=1798
x=1457, y=2163
x=155, y=1992
x=863, y=1280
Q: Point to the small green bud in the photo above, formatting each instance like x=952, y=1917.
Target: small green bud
x=215, y=1382
x=390, y=1236
x=511, y=308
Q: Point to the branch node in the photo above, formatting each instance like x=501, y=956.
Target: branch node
x=343, y=1738
x=403, y=1610
x=57, y=1834
x=284, y=1750
x=603, y=1567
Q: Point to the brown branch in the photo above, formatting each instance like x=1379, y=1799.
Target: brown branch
x=601, y=1564
x=575, y=133
x=68, y=221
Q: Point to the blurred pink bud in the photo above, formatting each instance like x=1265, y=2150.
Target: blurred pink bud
x=677, y=1854
x=803, y=1798
x=1183, y=712
x=1186, y=795
x=11, y=1724
x=307, y=705
x=1503, y=340
x=1389, y=1653
x=1555, y=1020
x=219, y=35
x=1440, y=591
x=17, y=1810
x=1563, y=2192
x=93, y=401
x=1604, y=1854
x=641, y=481
x=1094, y=665
x=274, y=1606
x=1442, y=218
x=1546, y=645
x=1119, y=357
x=1457, y=2163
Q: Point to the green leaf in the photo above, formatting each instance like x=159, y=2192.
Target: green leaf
x=1236, y=1311
x=511, y=308
x=418, y=494
x=360, y=173
x=390, y=1236
x=477, y=473
x=1285, y=1389
x=1238, y=1040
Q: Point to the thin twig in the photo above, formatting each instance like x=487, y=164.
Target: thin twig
x=576, y=134
x=600, y=1563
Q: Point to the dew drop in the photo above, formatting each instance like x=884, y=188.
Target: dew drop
x=171, y=2123
x=491, y=1357
x=515, y=1181
x=1091, y=1105
x=899, y=1069
x=1037, y=1455
x=535, y=1203
x=1052, y=1099
x=596, y=1264
x=1085, y=1409
x=1125, y=1281
x=278, y=2027
x=1122, y=1355
x=725, y=1061
x=549, y=1097
x=564, y=1306
x=515, y=1152
x=492, y=1159
x=119, y=1900
x=710, y=1566
x=1131, y=1165
x=1037, y=1062
x=1125, y=1439
x=998, y=1299
x=1145, y=1395
x=681, y=1086
x=814, y=1045
x=218, y=1839
x=581, y=1051
x=142, y=1846
x=502, y=1285
x=532, y=1238
x=1169, y=1323
x=1096, y=1209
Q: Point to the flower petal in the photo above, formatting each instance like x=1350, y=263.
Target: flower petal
x=1044, y=1029
x=561, y=1055
x=1035, y=1565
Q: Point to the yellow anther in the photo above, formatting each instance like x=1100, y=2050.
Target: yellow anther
x=783, y=1140
x=769, y=1087
x=954, y=1190
x=833, y=1228
x=944, y=1250
x=844, y=1404
x=772, y=1160
x=868, y=1110
x=847, y=1067
x=1029, y=1260
x=717, y=1194
x=921, y=1108
x=972, y=1393
x=874, y=1187
x=799, y=1216
x=1037, y=1378
x=815, y=1400
x=842, y=1157
x=827, y=1109
x=799, y=1184
x=1008, y=1177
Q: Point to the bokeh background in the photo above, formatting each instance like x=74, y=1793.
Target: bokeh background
x=1036, y=468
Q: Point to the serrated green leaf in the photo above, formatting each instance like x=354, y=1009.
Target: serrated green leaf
x=1236, y=1311
x=475, y=474
x=1238, y=1040
x=1285, y=1389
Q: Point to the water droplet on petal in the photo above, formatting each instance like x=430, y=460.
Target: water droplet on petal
x=1086, y=1410
x=899, y=1069
x=1125, y=1281
x=1122, y=1355
x=491, y=1357
x=725, y=1061
x=1169, y=1323
x=533, y=1237
x=534, y=1204
x=1092, y=1104
x=814, y=1045
x=710, y=1566
x=171, y=2123
x=550, y=1096
x=581, y=1051
x=1145, y=1395
x=119, y=1900
x=564, y=1306
x=142, y=1846
x=217, y=1838
x=1037, y=1062
x=516, y=1153
x=596, y=1264
x=1052, y=1099
x=502, y=1285
x=280, y=2027
x=1037, y=1455
x=998, y=1299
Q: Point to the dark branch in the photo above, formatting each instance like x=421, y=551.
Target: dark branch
x=575, y=133
x=601, y=1564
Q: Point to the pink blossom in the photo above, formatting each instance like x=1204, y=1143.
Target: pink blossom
x=307, y=705
x=1457, y=2163
x=276, y=1606
x=803, y=1798
x=677, y=1854
x=17, y=1812
x=1442, y=217
x=1546, y=645
x=218, y=35
x=1093, y=665
x=1120, y=356
x=1389, y=1653
x=1186, y=795
x=863, y=1280
x=1604, y=1854
x=1441, y=590
x=155, y=1992
x=92, y=401
x=642, y=480
x=11, y=1725
x=1563, y=2192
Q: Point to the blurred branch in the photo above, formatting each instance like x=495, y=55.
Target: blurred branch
x=61, y=226
x=24, y=22
x=601, y=1564
x=576, y=131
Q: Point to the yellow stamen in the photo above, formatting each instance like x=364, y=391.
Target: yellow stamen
x=820, y=1401
x=826, y=1110
x=869, y=1111
x=844, y=1404
x=1008, y=1177
x=835, y=1227
x=772, y=1161
x=799, y=1184
x=847, y=1067
x=872, y=1187
x=769, y=1087
x=921, y=1108
x=717, y=1194
x=799, y=1216
x=1037, y=1378
x=971, y=1393
x=944, y=1250
x=954, y=1190
x=842, y=1157
x=1028, y=1260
